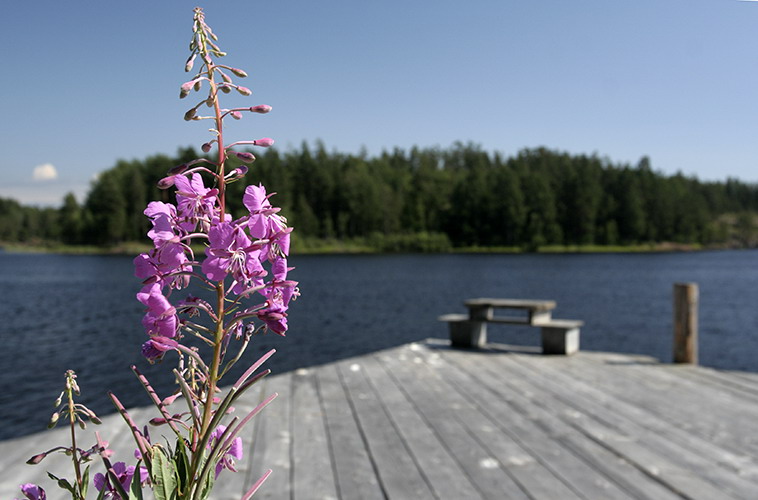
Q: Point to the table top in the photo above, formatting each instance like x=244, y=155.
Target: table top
x=532, y=305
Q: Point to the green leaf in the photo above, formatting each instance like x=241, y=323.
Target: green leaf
x=181, y=460
x=135, y=489
x=164, y=475
x=63, y=483
x=210, y=478
x=85, y=482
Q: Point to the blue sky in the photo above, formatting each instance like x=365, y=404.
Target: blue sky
x=88, y=83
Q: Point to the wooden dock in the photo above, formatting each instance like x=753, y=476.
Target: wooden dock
x=423, y=421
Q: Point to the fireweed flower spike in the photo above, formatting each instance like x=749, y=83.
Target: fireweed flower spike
x=244, y=272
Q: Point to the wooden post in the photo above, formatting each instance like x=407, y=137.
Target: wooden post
x=685, y=322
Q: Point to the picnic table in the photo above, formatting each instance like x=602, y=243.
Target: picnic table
x=559, y=336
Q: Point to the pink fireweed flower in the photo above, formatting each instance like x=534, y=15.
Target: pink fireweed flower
x=33, y=492
x=278, y=292
x=158, y=264
x=264, y=223
x=160, y=318
x=274, y=316
x=194, y=201
x=157, y=346
x=234, y=451
x=165, y=224
x=125, y=474
x=230, y=251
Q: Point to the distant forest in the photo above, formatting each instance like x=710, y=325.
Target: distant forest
x=425, y=200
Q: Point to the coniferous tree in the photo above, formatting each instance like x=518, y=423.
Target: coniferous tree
x=71, y=222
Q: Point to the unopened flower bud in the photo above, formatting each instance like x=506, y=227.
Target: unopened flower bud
x=238, y=72
x=264, y=143
x=244, y=91
x=170, y=399
x=190, y=62
x=36, y=459
x=190, y=114
x=166, y=182
x=226, y=77
x=261, y=108
x=236, y=115
x=244, y=156
x=178, y=169
x=59, y=400
x=185, y=89
x=93, y=417
x=206, y=147
x=157, y=421
x=198, y=84
x=225, y=89
x=241, y=170
x=53, y=420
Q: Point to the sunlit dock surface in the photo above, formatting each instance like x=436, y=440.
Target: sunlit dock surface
x=423, y=421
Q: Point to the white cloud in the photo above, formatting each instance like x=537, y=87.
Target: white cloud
x=46, y=172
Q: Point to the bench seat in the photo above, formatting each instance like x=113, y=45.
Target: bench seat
x=559, y=336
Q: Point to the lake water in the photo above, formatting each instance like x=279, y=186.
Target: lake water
x=59, y=312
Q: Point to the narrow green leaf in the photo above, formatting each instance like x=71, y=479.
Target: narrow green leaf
x=181, y=460
x=85, y=482
x=135, y=489
x=210, y=478
x=64, y=484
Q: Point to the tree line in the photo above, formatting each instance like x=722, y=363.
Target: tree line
x=425, y=199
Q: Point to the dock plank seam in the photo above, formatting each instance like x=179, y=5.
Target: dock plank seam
x=554, y=447
x=619, y=480
x=398, y=368
x=659, y=418
x=445, y=487
x=375, y=443
x=710, y=478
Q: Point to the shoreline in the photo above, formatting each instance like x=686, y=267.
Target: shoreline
x=351, y=248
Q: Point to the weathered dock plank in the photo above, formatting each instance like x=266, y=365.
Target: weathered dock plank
x=312, y=473
x=353, y=466
x=396, y=467
x=444, y=474
x=430, y=422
